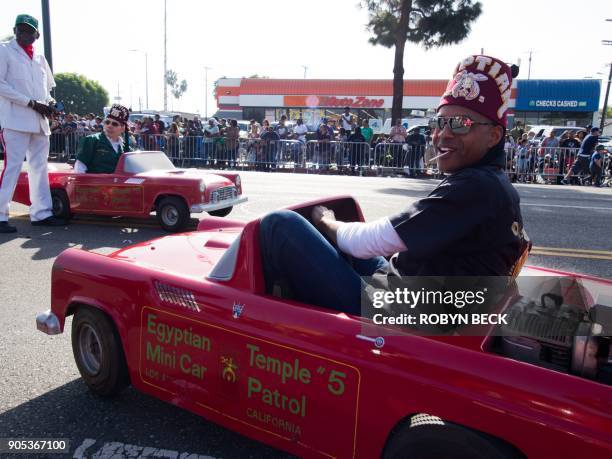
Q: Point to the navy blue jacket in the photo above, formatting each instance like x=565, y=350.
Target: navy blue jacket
x=470, y=225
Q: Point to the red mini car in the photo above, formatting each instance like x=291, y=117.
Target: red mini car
x=143, y=182
x=185, y=318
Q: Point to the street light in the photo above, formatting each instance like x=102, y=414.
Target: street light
x=146, y=74
x=206, y=69
x=530, y=52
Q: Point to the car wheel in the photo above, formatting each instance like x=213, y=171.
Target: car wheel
x=172, y=214
x=61, y=204
x=221, y=212
x=98, y=352
x=450, y=441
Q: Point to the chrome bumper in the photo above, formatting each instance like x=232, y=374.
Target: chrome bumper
x=48, y=323
x=198, y=208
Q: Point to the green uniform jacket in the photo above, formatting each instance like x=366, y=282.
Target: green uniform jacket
x=97, y=153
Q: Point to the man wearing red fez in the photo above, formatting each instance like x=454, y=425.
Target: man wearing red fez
x=469, y=225
x=99, y=153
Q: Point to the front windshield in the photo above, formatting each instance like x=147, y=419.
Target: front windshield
x=144, y=162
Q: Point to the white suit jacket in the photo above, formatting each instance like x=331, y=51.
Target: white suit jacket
x=23, y=79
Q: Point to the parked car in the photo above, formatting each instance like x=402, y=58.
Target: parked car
x=186, y=318
x=541, y=132
x=143, y=182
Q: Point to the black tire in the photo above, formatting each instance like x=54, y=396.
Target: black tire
x=448, y=441
x=98, y=352
x=221, y=212
x=173, y=214
x=61, y=204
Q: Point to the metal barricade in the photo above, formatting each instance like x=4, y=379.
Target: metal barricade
x=337, y=156
x=533, y=164
x=264, y=154
x=391, y=157
x=527, y=164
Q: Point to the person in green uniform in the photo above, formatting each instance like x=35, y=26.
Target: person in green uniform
x=99, y=153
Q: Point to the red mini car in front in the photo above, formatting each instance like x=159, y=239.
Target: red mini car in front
x=143, y=182
x=186, y=318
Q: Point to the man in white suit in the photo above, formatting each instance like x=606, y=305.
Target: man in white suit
x=25, y=104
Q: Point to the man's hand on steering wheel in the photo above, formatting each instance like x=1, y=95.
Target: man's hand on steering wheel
x=321, y=212
x=325, y=221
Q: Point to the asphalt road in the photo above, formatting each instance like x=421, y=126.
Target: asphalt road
x=41, y=394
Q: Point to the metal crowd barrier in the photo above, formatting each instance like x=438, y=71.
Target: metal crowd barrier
x=545, y=164
x=523, y=164
x=403, y=158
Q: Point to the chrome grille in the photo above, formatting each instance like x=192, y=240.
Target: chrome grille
x=223, y=193
x=177, y=296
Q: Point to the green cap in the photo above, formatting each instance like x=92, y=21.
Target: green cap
x=27, y=19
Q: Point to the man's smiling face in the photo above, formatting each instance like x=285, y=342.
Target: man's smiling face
x=462, y=150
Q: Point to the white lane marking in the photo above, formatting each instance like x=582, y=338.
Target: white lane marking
x=78, y=453
x=569, y=207
x=118, y=450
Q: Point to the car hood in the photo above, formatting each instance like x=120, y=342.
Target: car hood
x=188, y=174
x=191, y=254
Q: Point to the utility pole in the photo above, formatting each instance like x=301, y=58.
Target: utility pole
x=165, y=63
x=529, y=68
x=46, y=20
x=206, y=69
x=605, y=106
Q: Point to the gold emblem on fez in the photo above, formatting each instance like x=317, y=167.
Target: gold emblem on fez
x=515, y=228
x=466, y=85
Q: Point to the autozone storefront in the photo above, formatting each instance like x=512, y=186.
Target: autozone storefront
x=557, y=102
x=263, y=98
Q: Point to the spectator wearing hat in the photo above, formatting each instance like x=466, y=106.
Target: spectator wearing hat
x=99, y=153
x=25, y=108
x=469, y=225
x=596, y=165
x=581, y=165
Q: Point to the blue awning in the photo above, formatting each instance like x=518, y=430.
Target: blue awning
x=558, y=95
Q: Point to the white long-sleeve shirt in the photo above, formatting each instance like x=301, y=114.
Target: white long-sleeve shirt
x=367, y=240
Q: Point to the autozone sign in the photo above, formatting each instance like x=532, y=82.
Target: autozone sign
x=333, y=101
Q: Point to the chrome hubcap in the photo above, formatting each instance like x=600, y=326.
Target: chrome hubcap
x=170, y=215
x=90, y=349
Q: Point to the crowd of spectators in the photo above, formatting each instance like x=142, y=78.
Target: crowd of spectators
x=218, y=140
x=574, y=157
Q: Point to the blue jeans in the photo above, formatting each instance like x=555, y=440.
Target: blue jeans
x=295, y=254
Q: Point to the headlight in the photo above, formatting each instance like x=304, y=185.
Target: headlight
x=202, y=186
x=238, y=180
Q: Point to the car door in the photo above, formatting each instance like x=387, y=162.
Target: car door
x=284, y=372
x=287, y=370
x=107, y=194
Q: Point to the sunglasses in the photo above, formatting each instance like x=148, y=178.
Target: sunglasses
x=457, y=124
x=112, y=123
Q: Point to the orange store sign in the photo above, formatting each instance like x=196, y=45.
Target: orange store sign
x=333, y=101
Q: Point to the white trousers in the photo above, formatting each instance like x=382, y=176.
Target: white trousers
x=35, y=147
